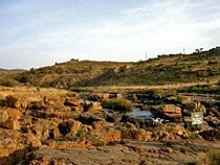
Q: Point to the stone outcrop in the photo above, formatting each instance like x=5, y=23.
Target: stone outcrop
x=170, y=111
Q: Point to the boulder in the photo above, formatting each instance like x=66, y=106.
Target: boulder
x=170, y=111
x=211, y=134
x=168, y=132
x=143, y=135
x=100, y=124
x=36, y=143
x=194, y=106
x=40, y=130
x=12, y=124
x=14, y=113
x=92, y=106
x=98, y=96
x=37, y=105
x=72, y=101
x=88, y=118
x=3, y=116
x=69, y=128
x=14, y=102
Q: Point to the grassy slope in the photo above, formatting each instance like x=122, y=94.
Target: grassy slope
x=170, y=69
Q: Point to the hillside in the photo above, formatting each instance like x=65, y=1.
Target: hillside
x=8, y=77
x=166, y=69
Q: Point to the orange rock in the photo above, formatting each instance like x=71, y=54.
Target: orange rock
x=100, y=124
x=14, y=113
x=36, y=143
x=12, y=124
x=141, y=134
x=56, y=133
x=30, y=137
x=3, y=116
x=92, y=107
x=171, y=111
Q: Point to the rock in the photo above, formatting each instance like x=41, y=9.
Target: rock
x=30, y=137
x=109, y=134
x=78, y=108
x=14, y=113
x=69, y=128
x=55, y=133
x=141, y=134
x=211, y=134
x=213, y=121
x=169, y=131
x=170, y=111
x=98, y=96
x=136, y=121
x=88, y=118
x=37, y=105
x=92, y=106
x=14, y=102
x=40, y=130
x=100, y=124
x=166, y=150
x=12, y=124
x=72, y=101
x=3, y=116
x=194, y=106
x=36, y=143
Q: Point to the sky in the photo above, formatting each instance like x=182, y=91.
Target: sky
x=36, y=33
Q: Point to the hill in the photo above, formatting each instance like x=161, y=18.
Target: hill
x=166, y=69
x=8, y=77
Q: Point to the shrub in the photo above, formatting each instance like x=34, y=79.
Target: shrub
x=79, y=133
x=22, y=79
x=214, y=157
x=210, y=158
x=9, y=83
x=118, y=104
x=192, y=135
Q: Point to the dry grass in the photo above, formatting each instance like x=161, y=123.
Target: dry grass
x=31, y=93
x=209, y=158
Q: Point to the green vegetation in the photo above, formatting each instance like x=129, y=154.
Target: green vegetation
x=79, y=133
x=192, y=135
x=118, y=104
x=8, y=79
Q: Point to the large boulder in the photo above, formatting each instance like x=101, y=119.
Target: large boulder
x=12, y=124
x=72, y=101
x=168, y=132
x=170, y=111
x=14, y=102
x=70, y=128
x=14, y=113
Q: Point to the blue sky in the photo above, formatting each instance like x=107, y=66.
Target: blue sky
x=35, y=33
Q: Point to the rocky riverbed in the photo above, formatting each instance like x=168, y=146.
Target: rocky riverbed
x=49, y=126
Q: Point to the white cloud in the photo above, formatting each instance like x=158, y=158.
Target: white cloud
x=157, y=27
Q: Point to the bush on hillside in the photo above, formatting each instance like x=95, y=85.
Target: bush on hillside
x=9, y=83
